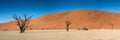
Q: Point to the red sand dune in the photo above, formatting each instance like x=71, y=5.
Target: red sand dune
x=91, y=19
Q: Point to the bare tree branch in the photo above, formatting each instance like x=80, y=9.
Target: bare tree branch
x=23, y=23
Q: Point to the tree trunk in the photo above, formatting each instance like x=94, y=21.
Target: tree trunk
x=67, y=29
x=22, y=30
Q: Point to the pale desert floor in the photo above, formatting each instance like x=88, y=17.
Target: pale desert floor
x=61, y=35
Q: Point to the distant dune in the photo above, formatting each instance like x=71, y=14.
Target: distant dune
x=91, y=19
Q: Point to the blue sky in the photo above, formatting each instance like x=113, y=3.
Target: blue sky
x=41, y=7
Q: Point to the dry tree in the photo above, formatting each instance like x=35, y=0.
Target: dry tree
x=68, y=23
x=22, y=22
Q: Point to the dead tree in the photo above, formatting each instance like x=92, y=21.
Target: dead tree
x=68, y=23
x=22, y=22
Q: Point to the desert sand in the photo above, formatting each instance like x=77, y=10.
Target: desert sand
x=61, y=35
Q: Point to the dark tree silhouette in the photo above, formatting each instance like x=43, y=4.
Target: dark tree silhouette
x=68, y=23
x=22, y=22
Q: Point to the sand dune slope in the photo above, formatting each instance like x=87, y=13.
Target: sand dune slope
x=91, y=19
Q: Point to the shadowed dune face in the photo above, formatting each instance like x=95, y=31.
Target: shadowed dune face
x=91, y=19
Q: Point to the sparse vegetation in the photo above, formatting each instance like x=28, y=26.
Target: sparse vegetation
x=22, y=23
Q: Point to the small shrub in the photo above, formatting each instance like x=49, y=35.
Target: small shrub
x=5, y=30
x=84, y=28
x=78, y=29
x=42, y=28
x=30, y=28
